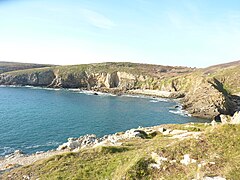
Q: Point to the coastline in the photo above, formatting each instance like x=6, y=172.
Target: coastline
x=18, y=159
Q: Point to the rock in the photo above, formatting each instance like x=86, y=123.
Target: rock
x=39, y=152
x=225, y=119
x=206, y=99
x=236, y=118
x=17, y=152
x=77, y=143
x=187, y=160
x=173, y=161
x=95, y=94
x=135, y=133
x=161, y=129
x=140, y=133
x=154, y=166
x=213, y=123
x=26, y=177
x=158, y=159
x=167, y=132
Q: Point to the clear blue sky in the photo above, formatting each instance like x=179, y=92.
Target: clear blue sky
x=169, y=32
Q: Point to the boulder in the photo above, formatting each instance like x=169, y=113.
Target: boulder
x=77, y=143
x=236, y=118
x=213, y=123
x=158, y=159
x=162, y=129
x=187, y=160
x=225, y=119
x=135, y=133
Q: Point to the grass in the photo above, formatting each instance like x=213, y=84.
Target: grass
x=229, y=77
x=14, y=66
x=131, y=160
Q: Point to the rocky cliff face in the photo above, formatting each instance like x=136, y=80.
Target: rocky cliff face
x=34, y=79
x=206, y=99
x=205, y=96
x=82, y=79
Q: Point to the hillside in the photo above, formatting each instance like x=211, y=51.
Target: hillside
x=14, y=66
x=208, y=92
x=188, y=151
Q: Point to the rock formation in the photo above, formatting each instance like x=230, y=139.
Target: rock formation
x=205, y=95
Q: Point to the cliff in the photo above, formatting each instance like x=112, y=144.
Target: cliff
x=208, y=92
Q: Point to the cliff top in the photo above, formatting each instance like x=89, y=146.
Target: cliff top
x=14, y=66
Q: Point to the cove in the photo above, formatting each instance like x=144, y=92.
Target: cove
x=35, y=119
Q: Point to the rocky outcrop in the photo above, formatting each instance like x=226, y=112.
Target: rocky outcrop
x=201, y=96
x=43, y=78
x=91, y=140
x=226, y=119
x=206, y=98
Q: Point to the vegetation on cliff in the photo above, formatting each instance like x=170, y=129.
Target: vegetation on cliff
x=214, y=152
x=14, y=66
x=208, y=92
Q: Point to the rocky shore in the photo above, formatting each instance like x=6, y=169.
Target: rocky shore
x=18, y=159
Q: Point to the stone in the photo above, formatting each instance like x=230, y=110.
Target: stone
x=25, y=177
x=236, y=118
x=167, y=132
x=158, y=159
x=17, y=152
x=140, y=133
x=135, y=133
x=213, y=123
x=173, y=161
x=187, y=160
x=154, y=166
x=77, y=143
x=162, y=129
x=225, y=119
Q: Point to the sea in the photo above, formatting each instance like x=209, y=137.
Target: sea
x=36, y=119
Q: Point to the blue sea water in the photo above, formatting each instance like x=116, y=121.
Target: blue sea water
x=35, y=119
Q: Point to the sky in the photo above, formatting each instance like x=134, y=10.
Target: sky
x=195, y=33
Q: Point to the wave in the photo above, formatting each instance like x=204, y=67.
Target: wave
x=9, y=150
x=51, y=143
x=155, y=100
x=179, y=111
x=6, y=150
x=10, y=86
x=90, y=93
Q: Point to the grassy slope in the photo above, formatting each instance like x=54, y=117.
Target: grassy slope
x=14, y=66
x=130, y=161
x=134, y=68
x=228, y=74
x=229, y=77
